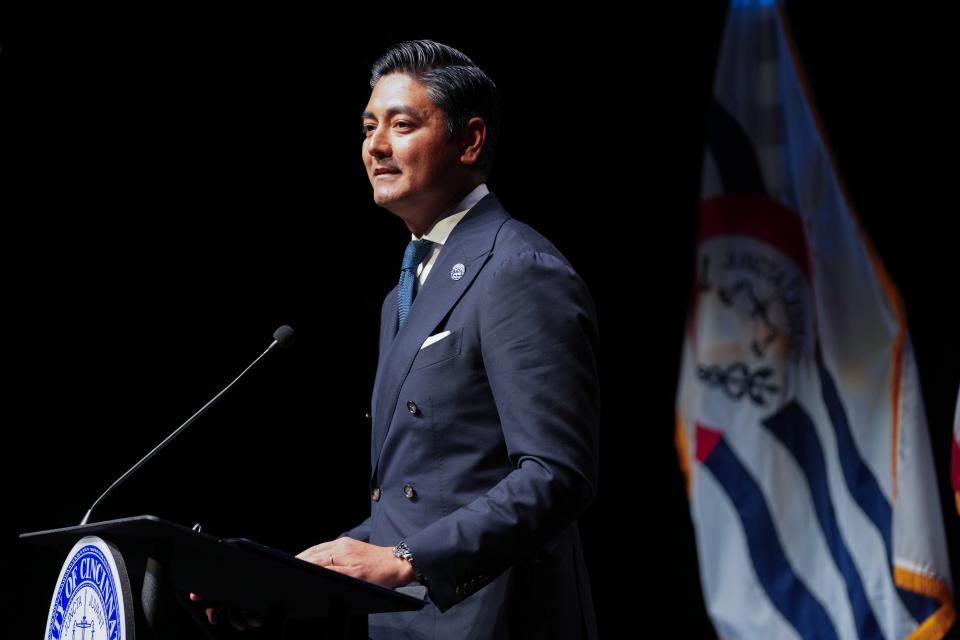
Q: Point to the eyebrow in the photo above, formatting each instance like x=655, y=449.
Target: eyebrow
x=392, y=111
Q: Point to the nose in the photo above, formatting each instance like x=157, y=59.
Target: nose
x=378, y=144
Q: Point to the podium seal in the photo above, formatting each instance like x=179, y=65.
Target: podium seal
x=92, y=599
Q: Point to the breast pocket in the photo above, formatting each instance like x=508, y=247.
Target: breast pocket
x=443, y=349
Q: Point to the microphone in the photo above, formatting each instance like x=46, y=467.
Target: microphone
x=283, y=337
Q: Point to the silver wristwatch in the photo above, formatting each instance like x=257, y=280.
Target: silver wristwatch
x=403, y=551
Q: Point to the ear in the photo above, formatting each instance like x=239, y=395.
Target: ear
x=471, y=144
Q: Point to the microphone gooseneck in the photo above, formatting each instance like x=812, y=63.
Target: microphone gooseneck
x=282, y=337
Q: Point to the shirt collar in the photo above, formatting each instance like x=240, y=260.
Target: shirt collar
x=441, y=228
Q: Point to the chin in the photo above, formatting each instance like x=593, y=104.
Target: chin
x=385, y=199
x=381, y=200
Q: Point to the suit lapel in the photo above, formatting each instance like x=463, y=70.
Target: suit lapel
x=469, y=244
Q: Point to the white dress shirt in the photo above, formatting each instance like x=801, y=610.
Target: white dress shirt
x=440, y=230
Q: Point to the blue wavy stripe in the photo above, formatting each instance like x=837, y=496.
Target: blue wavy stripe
x=863, y=485
x=920, y=606
x=792, y=426
x=783, y=587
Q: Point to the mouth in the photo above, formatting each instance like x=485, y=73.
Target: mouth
x=381, y=172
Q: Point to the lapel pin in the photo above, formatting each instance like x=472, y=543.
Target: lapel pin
x=457, y=272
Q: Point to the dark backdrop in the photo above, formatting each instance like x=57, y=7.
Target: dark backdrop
x=179, y=183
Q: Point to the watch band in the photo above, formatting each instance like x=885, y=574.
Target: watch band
x=403, y=551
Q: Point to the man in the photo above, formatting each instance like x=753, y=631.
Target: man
x=485, y=407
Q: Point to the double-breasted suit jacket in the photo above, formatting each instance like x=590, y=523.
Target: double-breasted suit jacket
x=484, y=443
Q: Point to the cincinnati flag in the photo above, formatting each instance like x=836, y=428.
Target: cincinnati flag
x=800, y=423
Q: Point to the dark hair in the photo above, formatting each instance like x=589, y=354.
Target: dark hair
x=454, y=83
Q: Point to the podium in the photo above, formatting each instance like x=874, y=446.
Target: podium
x=163, y=561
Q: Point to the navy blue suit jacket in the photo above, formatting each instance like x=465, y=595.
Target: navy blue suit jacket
x=484, y=443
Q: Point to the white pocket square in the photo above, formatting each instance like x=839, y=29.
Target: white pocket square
x=434, y=338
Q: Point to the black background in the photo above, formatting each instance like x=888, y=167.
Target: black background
x=178, y=183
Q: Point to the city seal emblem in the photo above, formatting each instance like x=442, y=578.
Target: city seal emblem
x=92, y=599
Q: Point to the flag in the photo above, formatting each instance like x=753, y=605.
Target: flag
x=800, y=423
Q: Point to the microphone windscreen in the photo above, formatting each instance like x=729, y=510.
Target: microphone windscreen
x=284, y=337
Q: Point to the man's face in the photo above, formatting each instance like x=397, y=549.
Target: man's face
x=411, y=162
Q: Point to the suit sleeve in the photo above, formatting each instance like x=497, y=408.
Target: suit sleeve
x=538, y=341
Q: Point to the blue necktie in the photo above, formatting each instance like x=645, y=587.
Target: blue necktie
x=406, y=289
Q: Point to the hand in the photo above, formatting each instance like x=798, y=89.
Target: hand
x=239, y=619
x=361, y=560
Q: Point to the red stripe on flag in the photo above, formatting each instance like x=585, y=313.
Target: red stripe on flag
x=757, y=217
x=707, y=440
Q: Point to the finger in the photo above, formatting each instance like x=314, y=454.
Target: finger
x=323, y=558
x=212, y=616
x=196, y=598
x=316, y=550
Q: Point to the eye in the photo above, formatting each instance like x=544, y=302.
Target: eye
x=403, y=124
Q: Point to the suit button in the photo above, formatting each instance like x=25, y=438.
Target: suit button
x=409, y=491
x=412, y=407
x=368, y=417
x=375, y=494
